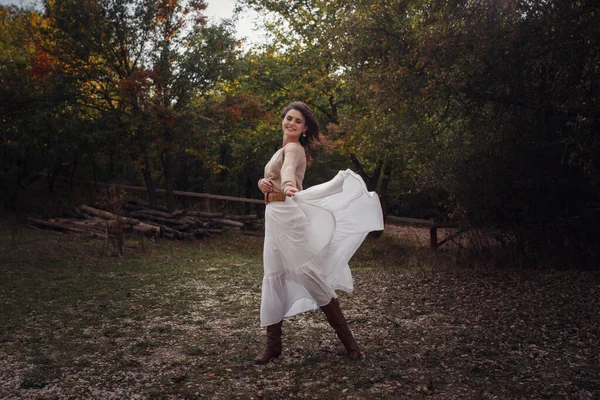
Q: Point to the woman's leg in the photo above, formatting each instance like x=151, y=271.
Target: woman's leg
x=336, y=319
x=272, y=348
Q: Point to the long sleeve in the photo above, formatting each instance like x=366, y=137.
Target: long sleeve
x=293, y=168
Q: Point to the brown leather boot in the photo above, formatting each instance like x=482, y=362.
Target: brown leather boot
x=336, y=319
x=273, y=347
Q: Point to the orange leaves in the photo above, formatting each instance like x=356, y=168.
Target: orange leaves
x=242, y=107
x=234, y=112
x=166, y=8
x=42, y=62
x=138, y=82
x=198, y=6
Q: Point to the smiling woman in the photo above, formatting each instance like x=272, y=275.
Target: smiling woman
x=309, y=234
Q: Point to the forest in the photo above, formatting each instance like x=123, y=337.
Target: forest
x=484, y=113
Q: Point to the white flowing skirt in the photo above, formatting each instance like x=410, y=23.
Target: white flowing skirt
x=309, y=239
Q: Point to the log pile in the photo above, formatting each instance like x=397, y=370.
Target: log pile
x=148, y=222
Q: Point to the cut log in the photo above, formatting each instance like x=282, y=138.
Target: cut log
x=252, y=233
x=97, y=213
x=104, y=225
x=107, y=215
x=161, y=214
x=228, y=222
x=204, y=224
x=165, y=229
x=80, y=214
x=163, y=220
x=134, y=206
x=147, y=230
x=205, y=214
x=253, y=228
x=249, y=217
x=191, y=220
x=97, y=226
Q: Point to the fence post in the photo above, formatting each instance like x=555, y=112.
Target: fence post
x=207, y=204
x=433, y=235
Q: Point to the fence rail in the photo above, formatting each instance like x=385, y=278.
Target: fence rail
x=206, y=196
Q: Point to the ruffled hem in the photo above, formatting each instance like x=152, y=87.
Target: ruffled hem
x=287, y=294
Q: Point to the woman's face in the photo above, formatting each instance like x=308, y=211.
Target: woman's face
x=293, y=123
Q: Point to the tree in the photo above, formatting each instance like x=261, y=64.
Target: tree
x=35, y=106
x=142, y=62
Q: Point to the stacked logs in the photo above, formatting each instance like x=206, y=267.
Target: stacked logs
x=148, y=222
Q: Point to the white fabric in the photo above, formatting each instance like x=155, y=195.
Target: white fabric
x=309, y=239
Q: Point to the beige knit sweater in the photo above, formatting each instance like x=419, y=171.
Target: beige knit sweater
x=286, y=168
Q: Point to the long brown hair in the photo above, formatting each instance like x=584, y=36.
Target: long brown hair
x=313, y=139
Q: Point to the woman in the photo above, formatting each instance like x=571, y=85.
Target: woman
x=309, y=234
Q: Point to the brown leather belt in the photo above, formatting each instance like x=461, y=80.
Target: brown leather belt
x=274, y=196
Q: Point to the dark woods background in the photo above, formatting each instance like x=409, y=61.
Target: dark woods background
x=484, y=112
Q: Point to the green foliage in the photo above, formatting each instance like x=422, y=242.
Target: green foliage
x=138, y=69
x=492, y=102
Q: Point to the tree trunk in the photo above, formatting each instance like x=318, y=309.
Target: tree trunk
x=167, y=162
x=72, y=177
x=382, y=187
x=370, y=180
x=111, y=166
x=51, y=176
x=381, y=190
x=150, y=185
x=95, y=173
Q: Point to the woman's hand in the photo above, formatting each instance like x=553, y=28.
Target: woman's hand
x=291, y=192
x=265, y=185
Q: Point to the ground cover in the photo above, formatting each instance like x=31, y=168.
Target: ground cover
x=179, y=320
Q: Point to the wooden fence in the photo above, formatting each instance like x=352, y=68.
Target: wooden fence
x=431, y=223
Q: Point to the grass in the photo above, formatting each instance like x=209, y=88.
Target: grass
x=179, y=320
